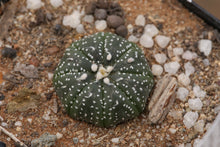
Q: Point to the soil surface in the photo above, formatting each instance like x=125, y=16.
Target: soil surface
x=31, y=100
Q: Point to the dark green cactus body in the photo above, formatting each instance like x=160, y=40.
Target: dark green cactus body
x=103, y=79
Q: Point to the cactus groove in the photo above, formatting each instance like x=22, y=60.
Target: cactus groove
x=103, y=79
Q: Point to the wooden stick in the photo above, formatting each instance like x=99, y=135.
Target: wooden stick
x=12, y=136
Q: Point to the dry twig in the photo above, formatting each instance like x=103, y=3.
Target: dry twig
x=12, y=136
x=7, y=18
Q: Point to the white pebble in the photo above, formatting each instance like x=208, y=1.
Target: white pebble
x=198, y=92
x=100, y=25
x=94, y=67
x=29, y=120
x=162, y=41
x=130, y=60
x=151, y=30
x=206, y=62
x=189, y=68
x=199, y=126
x=133, y=38
x=83, y=77
x=140, y=20
x=4, y=124
x=157, y=70
x=34, y=4
x=172, y=130
x=190, y=118
x=177, y=51
x=182, y=93
x=172, y=67
x=115, y=140
x=195, y=104
x=18, y=123
x=188, y=55
x=130, y=28
x=88, y=18
x=205, y=46
x=56, y=3
x=50, y=75
x=72, y=20
x=146, y=41
x=59, y=135
x=109, y=57
x=80, y=29
x=184, y=79
x=160, y=58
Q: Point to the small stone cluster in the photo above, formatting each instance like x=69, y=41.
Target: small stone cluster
x=103, y=79
x=109, y=14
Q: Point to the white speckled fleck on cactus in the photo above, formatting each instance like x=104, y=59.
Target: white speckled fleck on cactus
x=103, y=79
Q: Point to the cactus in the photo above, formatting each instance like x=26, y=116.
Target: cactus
x=103, y=79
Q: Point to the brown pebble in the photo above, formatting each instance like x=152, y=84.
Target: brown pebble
x=114, y=21
x=100, y=14
x=52, y=50
x=90, y=8
x=122, y=31
x=34, y=61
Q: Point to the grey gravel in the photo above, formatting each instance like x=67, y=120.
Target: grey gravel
x=114, y=21
x=100, y=14
x=45, y=140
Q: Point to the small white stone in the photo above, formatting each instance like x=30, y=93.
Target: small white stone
x=88, y=18
x=115, y=140
x=160, y=58
x=172, y=67
x=29, y=120
x=195, y=104
x=130, y=28
x=34, y=4
x=205, y=46
x=56, y=3
x=177, y=51
x=162, y=41
x=151, y=30
x=172, y=130
x=157, y=70
x=109, y=57
x=206, y=62
x=146, y=41
x=184, y=79
x=190, y=118
x=59, y=135
x=133, y=38
x=189, y=68
x=140, y=20
x=130, y=60
x=100, y=25
x=199, y=126
x=198, y=92
x=72, y=20
x=106, y=81
x=18, y=123
x=4, y=124
x=50, y=75
x=83, y=77
x=80, y=29
x=94, y=67
x=188, y=55
x=182, y=93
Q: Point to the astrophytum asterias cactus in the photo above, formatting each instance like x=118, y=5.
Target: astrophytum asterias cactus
x=103, y=79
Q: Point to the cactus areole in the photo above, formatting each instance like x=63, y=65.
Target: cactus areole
x=103, y=79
